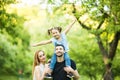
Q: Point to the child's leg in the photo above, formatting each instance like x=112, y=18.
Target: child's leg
x=53, y=61
x=68, y=64
x=67, y=59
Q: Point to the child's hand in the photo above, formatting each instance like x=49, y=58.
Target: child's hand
x=47, y=69
x=33, y=45
x=75, y=20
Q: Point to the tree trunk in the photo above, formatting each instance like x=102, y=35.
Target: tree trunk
x=108, y=74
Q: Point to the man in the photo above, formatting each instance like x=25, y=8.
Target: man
x=60, y=71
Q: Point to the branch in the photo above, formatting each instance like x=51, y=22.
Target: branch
x=102, y=49
x=113, y=45
x=100, y=24
x=83, y=25
x=77, y=17
x=104, y=52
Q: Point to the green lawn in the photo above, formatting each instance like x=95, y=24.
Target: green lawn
x=12, y=77
x=8, y=77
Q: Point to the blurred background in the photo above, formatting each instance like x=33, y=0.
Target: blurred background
x=94, y=39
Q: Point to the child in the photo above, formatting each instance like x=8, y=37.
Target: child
x=58, y=38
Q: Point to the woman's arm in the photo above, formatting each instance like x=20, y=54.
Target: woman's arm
x=42, y=43
x=69, y=27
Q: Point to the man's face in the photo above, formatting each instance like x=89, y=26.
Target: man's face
x=59, y=51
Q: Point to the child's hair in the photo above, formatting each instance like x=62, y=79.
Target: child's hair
x=57, y=28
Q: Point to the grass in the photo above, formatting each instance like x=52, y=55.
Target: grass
x=8, y=77
x=12, y=77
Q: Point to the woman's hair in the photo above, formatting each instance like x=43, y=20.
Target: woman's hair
x=36, y=60
x=57, y=28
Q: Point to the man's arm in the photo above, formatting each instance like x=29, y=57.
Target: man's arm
x=74, y=72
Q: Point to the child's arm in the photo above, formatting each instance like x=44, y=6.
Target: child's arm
x=42, y=43
x=69, y=27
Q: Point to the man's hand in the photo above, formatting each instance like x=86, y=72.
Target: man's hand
x=74, y=72
x=68, y=69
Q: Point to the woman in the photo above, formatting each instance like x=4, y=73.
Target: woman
x=39, y=65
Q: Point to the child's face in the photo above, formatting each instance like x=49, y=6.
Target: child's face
x=55, y=33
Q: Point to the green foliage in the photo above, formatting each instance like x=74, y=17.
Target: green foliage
x=14, y=42
x=6, y=2
x=16, y=55
x=89, y=62
x=12, y=77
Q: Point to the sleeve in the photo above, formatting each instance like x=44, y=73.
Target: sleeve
x=53, y=40
x=73, y=64
x=63, y=35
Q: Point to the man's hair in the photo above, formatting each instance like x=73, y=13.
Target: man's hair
x=60, y=45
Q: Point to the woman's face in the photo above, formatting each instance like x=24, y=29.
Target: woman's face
x=42, y=56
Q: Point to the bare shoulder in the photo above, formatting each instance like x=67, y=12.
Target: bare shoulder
x=37, y=67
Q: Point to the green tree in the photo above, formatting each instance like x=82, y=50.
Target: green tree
x=14, y=41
